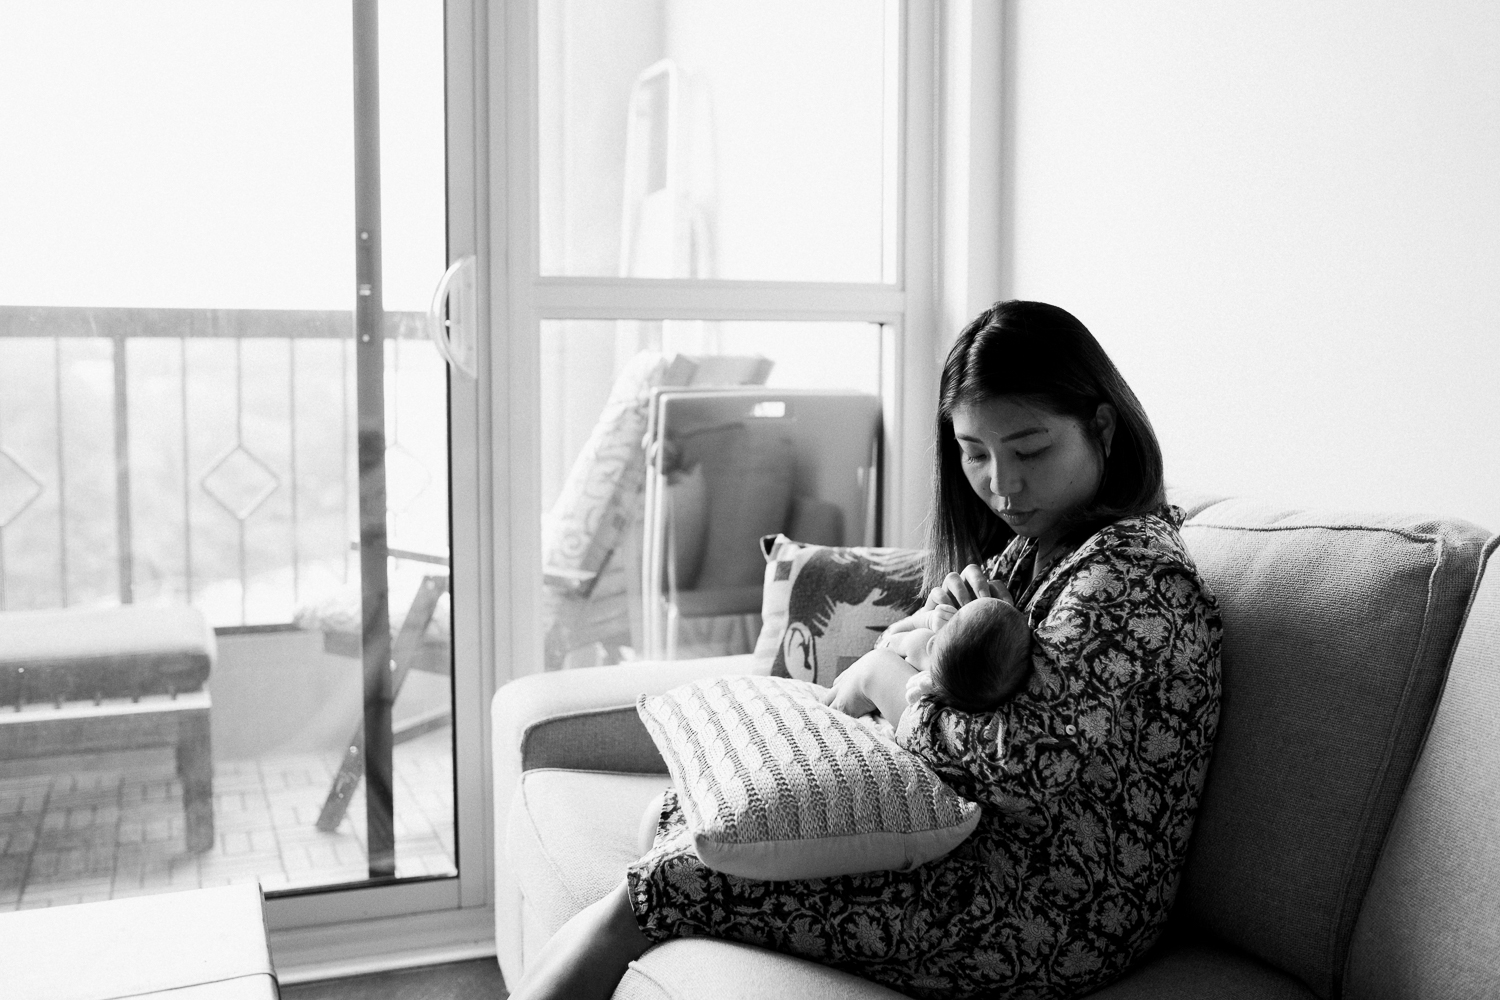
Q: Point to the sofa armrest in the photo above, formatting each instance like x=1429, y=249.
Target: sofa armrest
x=582, y=720
x=586, y=720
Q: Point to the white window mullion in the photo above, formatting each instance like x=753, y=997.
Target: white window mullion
x=628, y=298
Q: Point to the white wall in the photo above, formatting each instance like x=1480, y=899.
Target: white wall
x=1282, y=220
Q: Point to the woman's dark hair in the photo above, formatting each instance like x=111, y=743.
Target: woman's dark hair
x=1042, y=355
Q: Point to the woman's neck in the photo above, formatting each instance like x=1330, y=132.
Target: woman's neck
x=1046, y=546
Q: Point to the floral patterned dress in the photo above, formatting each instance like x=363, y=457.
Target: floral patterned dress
x=1088, y=782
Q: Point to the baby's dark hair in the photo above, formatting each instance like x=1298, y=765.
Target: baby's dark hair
x=985, y=660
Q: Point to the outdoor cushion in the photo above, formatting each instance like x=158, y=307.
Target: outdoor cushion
x=1417, y=934
x=776, y=785
x=1337, y=632
x=581, y=529
x=78, y=653
x=823, y=607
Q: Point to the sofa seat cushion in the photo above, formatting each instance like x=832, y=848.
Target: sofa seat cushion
x=1204, y=972
x=704, y=968
x=1338, y=629
x=571, y=836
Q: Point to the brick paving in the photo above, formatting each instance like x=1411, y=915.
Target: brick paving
x=107, y=827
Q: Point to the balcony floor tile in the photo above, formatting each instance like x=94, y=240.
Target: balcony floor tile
x=94, y=832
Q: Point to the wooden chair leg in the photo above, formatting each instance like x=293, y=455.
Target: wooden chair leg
x=404, y=651
x=195, y=769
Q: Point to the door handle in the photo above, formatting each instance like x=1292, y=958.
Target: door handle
x=453, y=317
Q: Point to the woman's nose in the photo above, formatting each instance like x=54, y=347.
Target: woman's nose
x=1004, y=483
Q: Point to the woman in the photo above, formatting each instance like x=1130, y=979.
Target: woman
x=1048, y=479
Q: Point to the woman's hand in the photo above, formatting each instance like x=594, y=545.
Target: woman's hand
x=874, y=682
x=958, y=589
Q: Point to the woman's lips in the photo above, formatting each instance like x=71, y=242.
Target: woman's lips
x=1017, y=516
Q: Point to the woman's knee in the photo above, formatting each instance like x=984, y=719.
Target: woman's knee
x=650, y=819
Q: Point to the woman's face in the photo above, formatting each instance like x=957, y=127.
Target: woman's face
x=1030, y=466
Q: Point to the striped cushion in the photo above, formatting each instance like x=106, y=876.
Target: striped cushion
x=776, y=785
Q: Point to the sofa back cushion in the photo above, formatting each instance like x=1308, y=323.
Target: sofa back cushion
x=1428, y=927
x=1338, y=630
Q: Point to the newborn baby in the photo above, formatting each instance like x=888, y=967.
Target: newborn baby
x=970, y=658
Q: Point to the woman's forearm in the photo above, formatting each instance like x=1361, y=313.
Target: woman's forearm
x=884, y=683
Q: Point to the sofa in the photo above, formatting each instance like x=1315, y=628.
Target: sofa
x=1348, y=841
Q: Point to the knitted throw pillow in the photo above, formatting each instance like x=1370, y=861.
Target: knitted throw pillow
x=776, y=785
x=823, y=606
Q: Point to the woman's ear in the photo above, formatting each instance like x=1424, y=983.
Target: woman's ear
x=1104, y=426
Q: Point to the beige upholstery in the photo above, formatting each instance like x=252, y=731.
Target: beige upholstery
x=571, y=836
x=583, y=719
x=1338, y=629
x=1342, y=849
x=1430, y=926
x=1204, y=972
x=194, y=945
x=696, y=967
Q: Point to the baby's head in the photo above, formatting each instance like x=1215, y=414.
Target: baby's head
x=981, y=657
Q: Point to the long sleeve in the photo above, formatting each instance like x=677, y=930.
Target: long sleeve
x=1119, y=618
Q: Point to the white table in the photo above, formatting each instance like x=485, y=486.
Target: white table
x=203, y=944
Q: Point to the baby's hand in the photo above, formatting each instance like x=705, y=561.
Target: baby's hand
x=919, y=684
x=939, y=616
x=896, y=628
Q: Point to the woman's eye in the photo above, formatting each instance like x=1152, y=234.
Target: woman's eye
x=1023, y=455
x=969, y=457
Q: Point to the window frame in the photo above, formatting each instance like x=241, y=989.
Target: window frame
x=949, y=203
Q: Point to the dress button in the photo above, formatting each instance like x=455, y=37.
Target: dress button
x=1070, y=730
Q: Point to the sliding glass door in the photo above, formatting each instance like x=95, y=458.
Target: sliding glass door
x=226, y=582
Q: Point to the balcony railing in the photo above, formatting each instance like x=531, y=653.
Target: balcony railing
x=196, y=455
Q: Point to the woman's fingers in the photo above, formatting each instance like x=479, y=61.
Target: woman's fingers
x=978, y=582
x=960, y=589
